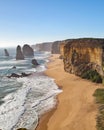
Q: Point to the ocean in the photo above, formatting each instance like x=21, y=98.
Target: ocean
x=24, y=100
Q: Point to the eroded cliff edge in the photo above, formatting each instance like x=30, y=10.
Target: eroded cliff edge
x=83, y=55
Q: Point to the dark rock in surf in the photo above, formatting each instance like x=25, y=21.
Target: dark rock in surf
x=22, y=129
x=19, y=54
x=14, y=67
x=14, y=75
x=24, y=74
x=18, y=76
x=34, y=62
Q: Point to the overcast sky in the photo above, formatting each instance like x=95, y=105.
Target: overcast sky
x=34, y=21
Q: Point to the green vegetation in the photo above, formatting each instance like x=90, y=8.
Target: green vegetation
x=92, y=75
x=99, y=94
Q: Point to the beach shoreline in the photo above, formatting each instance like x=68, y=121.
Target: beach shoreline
x=76, y=108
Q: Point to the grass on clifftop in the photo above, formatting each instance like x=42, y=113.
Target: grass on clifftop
x=99, y=94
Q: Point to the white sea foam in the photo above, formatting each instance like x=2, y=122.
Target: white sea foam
x=22, y=108
x=12, y=109
x=10, y=67
x=41, y=68
x=13, y=61
x=31, y=70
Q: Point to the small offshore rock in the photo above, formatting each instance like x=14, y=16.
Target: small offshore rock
x=34, y=62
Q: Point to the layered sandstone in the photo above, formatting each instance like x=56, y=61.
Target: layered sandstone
x=81, y=55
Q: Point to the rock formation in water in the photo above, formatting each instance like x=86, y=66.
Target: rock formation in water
x=82, y=55
x=27, y=50
x=34, y=62
x=6, y=52
x=19, y=53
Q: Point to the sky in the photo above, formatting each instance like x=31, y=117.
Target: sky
x=35, y=21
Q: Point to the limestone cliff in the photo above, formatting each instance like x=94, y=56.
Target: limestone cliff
x=56, y=47
x=81, y=55
x=61, y=46
x=43, y=46
x=53, y=47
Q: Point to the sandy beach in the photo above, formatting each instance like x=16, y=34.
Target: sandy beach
x=76, y=108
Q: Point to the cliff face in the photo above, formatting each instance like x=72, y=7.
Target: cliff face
x=56, y=47
x=61, y=46
x=53, y=47
x=81, y=55
x=43, y=46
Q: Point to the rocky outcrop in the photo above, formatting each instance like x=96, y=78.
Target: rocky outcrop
x=81, y=55
x=43, y=46
x=19, y=54
x=27, y=50
x=34, y=62
x=56, y=47
x=18, y=76
x=6, y=52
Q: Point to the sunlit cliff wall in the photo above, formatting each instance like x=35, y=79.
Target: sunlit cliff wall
x=80, y=55
x=56, y=47
x=61, y=46
x=43, y=46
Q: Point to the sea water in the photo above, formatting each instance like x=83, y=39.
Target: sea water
x=24, y=100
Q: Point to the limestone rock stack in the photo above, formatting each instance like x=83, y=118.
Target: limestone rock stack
x=27, y=50
x=19, y=53
x=6, y=52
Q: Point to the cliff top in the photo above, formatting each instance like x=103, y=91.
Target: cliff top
x=85, y=42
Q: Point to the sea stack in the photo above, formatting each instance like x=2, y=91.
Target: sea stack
x=6, y=52
x=19, y=54
x=28, y=51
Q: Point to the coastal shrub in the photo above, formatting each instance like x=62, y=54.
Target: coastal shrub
x=92, y=75
x=99, y=94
